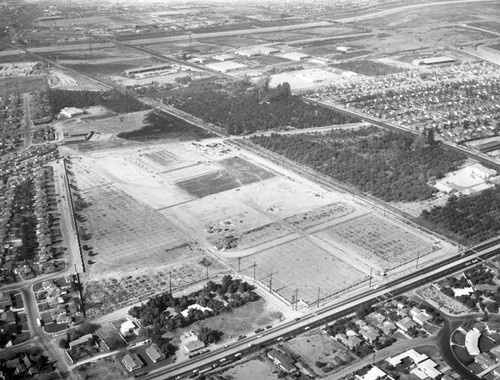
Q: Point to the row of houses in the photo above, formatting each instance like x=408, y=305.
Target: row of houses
x=376, y=326
x=19, y=169
x=61, y=297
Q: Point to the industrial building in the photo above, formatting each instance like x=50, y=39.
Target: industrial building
x=434, y=61
x=224, y=67
x=146, y=70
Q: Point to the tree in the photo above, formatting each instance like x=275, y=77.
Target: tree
x=363, y=310
x=207, y=335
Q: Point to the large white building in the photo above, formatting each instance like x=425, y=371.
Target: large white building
x=224, y=67
x=70, y=112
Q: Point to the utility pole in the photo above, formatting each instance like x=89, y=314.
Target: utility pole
x=371, y=271
x=254, y=265
x=239, y=264
x=296, y=297
x=418, y=256
x=271, y=283
x=319, y=290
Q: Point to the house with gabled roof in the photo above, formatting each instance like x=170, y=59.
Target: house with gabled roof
x=132, y=361
x=154, y=353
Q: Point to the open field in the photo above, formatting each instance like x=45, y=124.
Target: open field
x=253, y=369
x=84, y=21
x=441, y=301
x=241, y=320
x=318, y=347
x=300, y=264
x=321, y=216
x=494, y=26
x=102, y=369
x=23, y=84
x=116, y=237
x=238, y=172
x=378, y=240
x=107, y=294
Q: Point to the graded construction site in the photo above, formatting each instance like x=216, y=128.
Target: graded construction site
x=189, y=210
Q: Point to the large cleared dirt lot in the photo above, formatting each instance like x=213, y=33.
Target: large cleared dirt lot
x=173, y=204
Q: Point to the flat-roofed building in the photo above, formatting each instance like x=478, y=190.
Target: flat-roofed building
x=295, y=56
x=472, y=342
x=434, y=61
x=224, y=67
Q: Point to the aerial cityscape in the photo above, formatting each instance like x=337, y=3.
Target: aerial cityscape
x=250, y=190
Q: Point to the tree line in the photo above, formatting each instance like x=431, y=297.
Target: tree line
x=241, y=109
x=471, y=219
x=392, y=166
x=119, y=102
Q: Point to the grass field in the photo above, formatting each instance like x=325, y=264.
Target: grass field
x=238, y=172
x=23, y=84
x=242, y=320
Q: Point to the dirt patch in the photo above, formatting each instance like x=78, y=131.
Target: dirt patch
x=253, y=369
x=444, y=303
x=319, y=216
